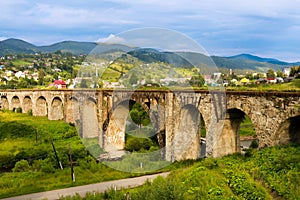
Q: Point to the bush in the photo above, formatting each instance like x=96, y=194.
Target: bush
x=47, y=166
x=138, y=144
x=21, y=166
x=19, y=110
x=37, y=165
x=29, y=112
x=254, y=144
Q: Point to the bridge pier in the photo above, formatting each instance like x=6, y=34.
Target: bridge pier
x=275, y=116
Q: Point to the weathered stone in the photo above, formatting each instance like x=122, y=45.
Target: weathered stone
x=174, y=114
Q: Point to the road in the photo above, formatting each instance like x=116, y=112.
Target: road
x=82, y=190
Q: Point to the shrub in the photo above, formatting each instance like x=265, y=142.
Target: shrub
x=21, y=166
x=19, y=110
x=47, y=166
x=254, y=144
x=138, y=144
x=37, y=165
x=29, y=112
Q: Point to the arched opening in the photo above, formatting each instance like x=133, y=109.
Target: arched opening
x=187, y=140
x=89, y=121
x=72, y=111
x=288, y=132
x=238, y=133
x=115, y=132
x=140, y=133
x=27, y=104
x=57, y=112
x=4, y=103
x=131, y=129
x=248, y=137
x=15, y=103
x=202, y=132
x=41, y=107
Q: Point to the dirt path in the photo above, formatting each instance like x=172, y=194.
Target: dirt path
x=82, y=190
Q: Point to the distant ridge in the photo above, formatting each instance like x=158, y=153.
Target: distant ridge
x=241, y=61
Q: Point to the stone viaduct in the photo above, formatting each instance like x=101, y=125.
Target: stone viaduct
x=175, y=116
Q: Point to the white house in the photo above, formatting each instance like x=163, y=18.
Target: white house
x=286, y=71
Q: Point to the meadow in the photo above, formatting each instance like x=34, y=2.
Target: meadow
x=27, y=159
x=271, y=173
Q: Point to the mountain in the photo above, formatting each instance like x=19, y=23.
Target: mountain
x=16, y=46
x=177, y=59
x=70, y=46
x=11, y=46
x=149, y=55
x=246, y=61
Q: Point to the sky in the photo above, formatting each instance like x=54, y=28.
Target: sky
x=267, y=28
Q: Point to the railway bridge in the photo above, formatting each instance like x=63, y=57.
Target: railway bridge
x=175, y=116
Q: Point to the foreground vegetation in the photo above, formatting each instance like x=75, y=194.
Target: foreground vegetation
x=27, y=159
x=28, y=164
x=266, y=174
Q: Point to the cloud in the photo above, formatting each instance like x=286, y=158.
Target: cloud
x=112, y=39
x=3, y=38
x=231, y=24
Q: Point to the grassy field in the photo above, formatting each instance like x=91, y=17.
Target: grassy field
x=292, y=86
x=247, y=128
x=27, y=160
x=271, y=173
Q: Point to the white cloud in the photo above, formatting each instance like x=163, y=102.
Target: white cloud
x=3, y=38
x=112, y=39
x=218, y=24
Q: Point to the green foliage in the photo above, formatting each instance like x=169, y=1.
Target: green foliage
x=197, y=80
x=160, y=189
x=139, y=115
x=21, y=166
x=247, y=128
x=39, y=171
x=270, y=73
x=271, y=172
x=137, y=144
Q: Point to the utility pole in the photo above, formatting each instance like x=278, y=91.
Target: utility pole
x=56, y=156
x=36, y=134
x=71, y=164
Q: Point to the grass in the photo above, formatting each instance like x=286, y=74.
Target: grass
x=247, y=128
x=271, y=173
x=20, y=63
x=18, y=141
x=293, y=86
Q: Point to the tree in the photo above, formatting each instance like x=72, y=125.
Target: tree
x=279, y=74
x=139, y=115
x=41, y=75
x=295, y=70
x=133, y=79
x=270, y=73
x=197, y=80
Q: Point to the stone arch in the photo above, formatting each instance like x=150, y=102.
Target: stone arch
x=27, y=104
x=15, y=103
x=72, y=111
x=202, y=132
x=115, y=132
x=41, y=108
x=89, y=119
x=186, y=141
x=288, y=132
x=4, y=103
x=228, y=142
x=56, y=111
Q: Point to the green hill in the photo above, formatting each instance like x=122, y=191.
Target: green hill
x=148, y=55
x=11, y=46
x=70, y=46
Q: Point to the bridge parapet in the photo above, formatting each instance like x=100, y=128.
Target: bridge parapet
x=93, y=111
